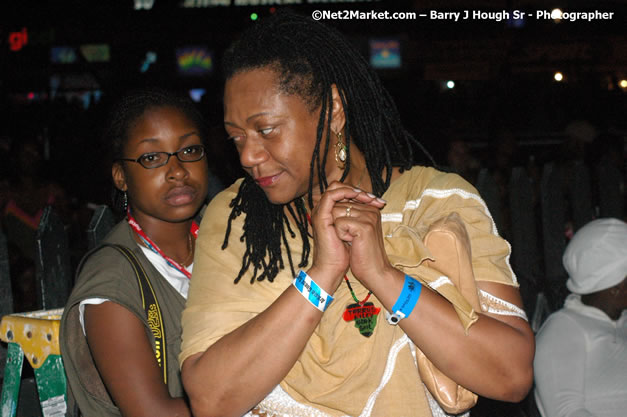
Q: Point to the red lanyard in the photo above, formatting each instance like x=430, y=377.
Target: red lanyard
x=152, y=246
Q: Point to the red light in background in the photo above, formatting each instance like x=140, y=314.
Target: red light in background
x=17, y=40
x=31, y=95
x=272, y=9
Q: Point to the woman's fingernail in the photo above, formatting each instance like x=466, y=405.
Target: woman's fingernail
x=371, y=195
x=357, y=190
x=380, y=200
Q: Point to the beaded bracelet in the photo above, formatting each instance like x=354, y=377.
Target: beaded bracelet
x=406, y=301
x=312, y=291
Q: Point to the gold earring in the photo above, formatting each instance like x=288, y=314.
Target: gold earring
x=341, y=152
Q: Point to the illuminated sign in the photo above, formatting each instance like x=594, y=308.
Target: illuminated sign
x=151, y=58
x=197, y=93
x=194, y=60
x=144, y=4
x=95, y=52
x=385, y=53
x=17, y=40
x=63, y=55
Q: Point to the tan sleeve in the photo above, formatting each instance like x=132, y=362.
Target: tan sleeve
x=214, y=270
x=435, y=196
x=449, y=193
x=215, y=305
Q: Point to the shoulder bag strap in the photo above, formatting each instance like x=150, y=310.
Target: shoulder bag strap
x=149, y=302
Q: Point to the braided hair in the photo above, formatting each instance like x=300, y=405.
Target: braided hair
x=131, y=107
x=309, y=58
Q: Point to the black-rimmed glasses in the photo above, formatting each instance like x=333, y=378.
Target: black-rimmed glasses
x=152, y=160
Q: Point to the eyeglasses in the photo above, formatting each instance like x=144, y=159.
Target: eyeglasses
x=152, y=160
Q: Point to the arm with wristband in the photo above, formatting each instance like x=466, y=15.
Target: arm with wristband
x=406, y=302
x=269, y=342
x=497, y=347
x=312, y=292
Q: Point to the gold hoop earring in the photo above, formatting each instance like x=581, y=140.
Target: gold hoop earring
x=341, y=151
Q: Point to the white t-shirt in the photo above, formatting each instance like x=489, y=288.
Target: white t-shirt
x=581, y=363
x=174, y=277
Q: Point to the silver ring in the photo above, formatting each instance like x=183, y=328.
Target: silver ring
x=348, y=211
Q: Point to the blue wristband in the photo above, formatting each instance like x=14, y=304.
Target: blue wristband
x=406, y=301
x=312, y=291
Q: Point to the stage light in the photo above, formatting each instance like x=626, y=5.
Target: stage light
x=558, y=76
x=254, y=16
x=450, y=84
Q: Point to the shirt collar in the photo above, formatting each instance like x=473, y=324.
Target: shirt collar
x=573, y=302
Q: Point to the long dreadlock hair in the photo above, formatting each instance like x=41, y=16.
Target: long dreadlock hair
x=309, y=58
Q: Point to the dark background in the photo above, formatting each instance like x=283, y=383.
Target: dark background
x=503, y=70
x=503, y=73
x=505, y=97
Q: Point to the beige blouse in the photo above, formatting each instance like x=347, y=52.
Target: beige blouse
x=341, y=372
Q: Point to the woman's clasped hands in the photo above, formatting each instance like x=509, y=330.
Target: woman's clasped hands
x=347, y=233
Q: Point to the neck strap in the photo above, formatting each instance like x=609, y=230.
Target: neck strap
x=153, y=246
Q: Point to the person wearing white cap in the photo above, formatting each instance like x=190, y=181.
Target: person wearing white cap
x=581, y=350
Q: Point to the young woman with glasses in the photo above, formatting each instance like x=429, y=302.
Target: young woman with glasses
x=117, y=357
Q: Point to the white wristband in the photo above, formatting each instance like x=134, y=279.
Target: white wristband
x=312, y=291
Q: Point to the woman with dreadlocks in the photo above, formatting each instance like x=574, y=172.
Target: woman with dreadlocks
x=311, y=299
